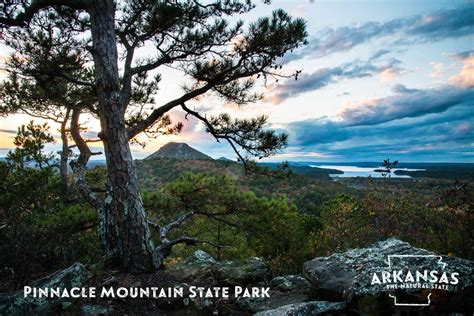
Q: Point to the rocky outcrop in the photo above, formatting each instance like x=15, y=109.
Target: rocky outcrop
x=305, y=309
x=290, y=283
x=17, y=304
x=342, y=283
x=201, y=268
x=250, y=271
x=349, y=276
x=284, y=290
x=200, y=257
x=93, y=310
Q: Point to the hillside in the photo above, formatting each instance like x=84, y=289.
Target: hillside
x=463, y=172
x=180, y=151
x=307, y=187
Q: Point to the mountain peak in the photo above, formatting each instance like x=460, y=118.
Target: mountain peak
x=181, y=151
x=225, y=159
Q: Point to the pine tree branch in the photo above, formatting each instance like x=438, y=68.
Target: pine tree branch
x=219, y=79
x=24, y=17
x=214, y=133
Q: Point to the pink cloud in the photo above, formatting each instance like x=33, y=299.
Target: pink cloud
x=438, y=70
x=389, y=74
x=465, y=78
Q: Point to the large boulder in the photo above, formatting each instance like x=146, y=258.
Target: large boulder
x=17, y=304
x=200, y=257
x=250, y=271
x=202, y=269
x=306, y=309
x=284, y=290
x=350, y=275
x=94, y=310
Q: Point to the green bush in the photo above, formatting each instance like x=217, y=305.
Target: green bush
x=241, y=224
x=39, y=232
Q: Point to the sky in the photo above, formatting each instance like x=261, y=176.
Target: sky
x=380, y=79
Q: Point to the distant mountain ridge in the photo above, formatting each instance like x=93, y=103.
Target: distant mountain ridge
x=225, y=159
x=180, y=151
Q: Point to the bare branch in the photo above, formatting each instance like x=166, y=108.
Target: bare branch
x=188, y=241
x=178, y=222
x=213, y=132
x=79, y=165
x=87, y=141
x=164, y=230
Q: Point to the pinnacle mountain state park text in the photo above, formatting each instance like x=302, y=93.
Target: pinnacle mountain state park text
x=147, y=292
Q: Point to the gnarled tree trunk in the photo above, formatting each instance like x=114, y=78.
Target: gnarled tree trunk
x=126, y=231
x=64, y=157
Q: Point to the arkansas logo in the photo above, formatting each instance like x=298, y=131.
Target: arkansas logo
x=412, y=273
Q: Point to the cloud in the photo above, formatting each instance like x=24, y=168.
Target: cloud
x=193, y=133
x=464, y=128
x=400, y=88
x=443, y=23
x=90, y=134
x=8, y=131
x=379, y=53
x=466, y=76
x=435, y=26
x=440, y=136
x=390, y=74
x=410, y=124
x=325, y=76
x=462, y=55
x=325, y=131
x=317, y=131
x=405, y=103
x=300, y=155
x=438, y=70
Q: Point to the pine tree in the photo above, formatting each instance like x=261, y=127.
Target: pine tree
x=196, y=38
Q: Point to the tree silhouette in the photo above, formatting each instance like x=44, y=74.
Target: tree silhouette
x=196, y=38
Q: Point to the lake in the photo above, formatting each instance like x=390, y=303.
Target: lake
x=354, y=171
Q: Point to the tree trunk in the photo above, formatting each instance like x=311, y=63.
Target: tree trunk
x=126, y=230
x=64, y=158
